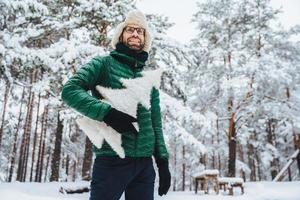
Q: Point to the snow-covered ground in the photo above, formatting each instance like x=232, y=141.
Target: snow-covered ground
x=253, y=191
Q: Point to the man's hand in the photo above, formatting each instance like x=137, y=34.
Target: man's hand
x=164, y=176
x=120, y=121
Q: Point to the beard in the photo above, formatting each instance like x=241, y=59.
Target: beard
x=138, y=46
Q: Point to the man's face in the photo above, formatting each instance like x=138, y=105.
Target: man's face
x=134, y=37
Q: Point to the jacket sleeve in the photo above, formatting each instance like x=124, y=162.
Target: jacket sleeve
x=160, y=146
x=74, y=92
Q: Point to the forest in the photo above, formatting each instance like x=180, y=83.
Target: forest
x=230, y=98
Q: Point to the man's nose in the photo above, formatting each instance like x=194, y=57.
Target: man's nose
x=135, y=33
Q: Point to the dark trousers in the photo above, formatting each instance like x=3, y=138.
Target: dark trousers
x=113, y=175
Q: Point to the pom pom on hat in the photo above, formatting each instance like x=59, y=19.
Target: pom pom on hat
x=134, y=17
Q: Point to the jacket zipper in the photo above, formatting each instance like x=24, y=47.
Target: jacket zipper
x=136, y=137
x=134, y=69
x=135, y=145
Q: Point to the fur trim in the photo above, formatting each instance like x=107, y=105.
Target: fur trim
x=137, y=91
x=134, y=17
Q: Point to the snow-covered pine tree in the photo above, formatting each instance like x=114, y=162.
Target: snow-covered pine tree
x=178, y=118
x=235, y=56
x=43, y=43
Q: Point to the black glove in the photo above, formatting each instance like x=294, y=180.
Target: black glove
x=164, y=176
x=120, y=121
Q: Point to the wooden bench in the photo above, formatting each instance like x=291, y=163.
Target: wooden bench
x=204, y=178
x=230, y=182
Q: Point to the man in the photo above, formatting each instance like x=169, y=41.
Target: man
x=135, y=173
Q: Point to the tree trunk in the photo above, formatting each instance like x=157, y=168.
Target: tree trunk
x=214, y=160
x=7, y=89
x=258, y=165
x=55, y=163
x=241, y=158
x=22, y=151
x=41, y=139
x=74, y=171
x=29, y=124
x=270, y=139
x=183, y=168
x=289, y=174
x=47, y=164
x=203, y=160
x=35, y=138
x=297, y=146
x=191, y=182
x=40, y=172
x=67, y=166
x=87, y=160
x=232, y=147
x=218, y=142
x=14, y=151
x=251, y=161
x=241, y=152
x=175, y=165
x=102, y=29
x=219, y=160
x=28, y=130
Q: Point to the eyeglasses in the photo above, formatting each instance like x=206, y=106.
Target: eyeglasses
x=130, y=30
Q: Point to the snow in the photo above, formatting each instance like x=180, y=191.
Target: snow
x=207, y=172
x=180, y=112
x=253, y=191
x=230, y=180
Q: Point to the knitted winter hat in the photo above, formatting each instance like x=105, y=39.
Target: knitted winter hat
x=134, y=17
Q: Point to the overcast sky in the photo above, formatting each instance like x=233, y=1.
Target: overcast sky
x=181, y=11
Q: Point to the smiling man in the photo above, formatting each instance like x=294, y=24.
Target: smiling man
x=133, y=37
x=134, y=174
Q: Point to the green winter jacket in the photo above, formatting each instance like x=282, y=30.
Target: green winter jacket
x=107, y=71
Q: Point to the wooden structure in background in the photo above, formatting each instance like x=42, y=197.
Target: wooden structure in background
x=280, y=175
x=229, y=183
x=205, y=178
